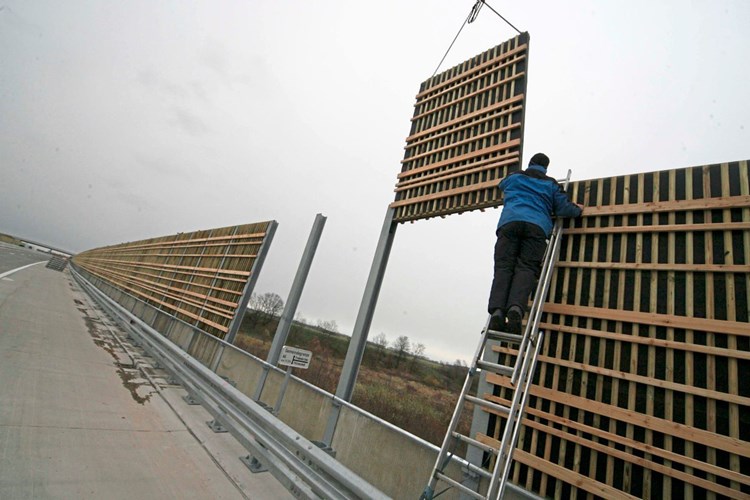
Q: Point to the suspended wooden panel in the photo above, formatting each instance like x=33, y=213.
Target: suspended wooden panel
x=466, y=135
x=198, y=277
x=642, y=386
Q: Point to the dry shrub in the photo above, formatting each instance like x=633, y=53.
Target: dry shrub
x=420, y=405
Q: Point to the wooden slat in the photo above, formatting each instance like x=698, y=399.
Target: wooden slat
x=458, y=144
x=181, y=311
x=642, y=462
x=198, y=277
x=133, y=279
x=145, y=287
x=178, y=243
x=471, y=168
x=187, y=255
x=186, y=270
x=668, y=206
x=646, y=380
x=154, y=278
x=668, y=344
x=478, y=68
x=695, y=324
x=458, y=159
x=579, y=480
x=635, y=445
x=493, y=111
x=168, y=266
x=450, y=192
x=661, y=228
x=633, y=417
x=650, y=266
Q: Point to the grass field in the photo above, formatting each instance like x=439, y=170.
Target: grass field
x=383, y=381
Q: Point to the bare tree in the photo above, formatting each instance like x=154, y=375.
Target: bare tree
x=418, y=351
x=329, y=325
x=381, y=343
x=267, y=306
x=401, y=346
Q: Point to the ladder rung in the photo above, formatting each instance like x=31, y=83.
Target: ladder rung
x=488, y=404
x=460, y=486
x=474, y=442
x=495, y=368
x=505, y=336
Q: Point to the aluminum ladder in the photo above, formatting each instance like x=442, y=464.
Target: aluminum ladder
x=521, y=375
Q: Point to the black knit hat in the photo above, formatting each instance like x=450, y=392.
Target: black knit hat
x=539, y=159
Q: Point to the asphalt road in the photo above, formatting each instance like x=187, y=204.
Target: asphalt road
x=13, y=257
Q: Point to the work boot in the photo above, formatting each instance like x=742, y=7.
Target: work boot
x=497, y=321
x=515, y=315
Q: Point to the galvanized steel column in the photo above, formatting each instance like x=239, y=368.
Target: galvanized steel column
x=292, y=301
x=358, y=342
x=250, y=285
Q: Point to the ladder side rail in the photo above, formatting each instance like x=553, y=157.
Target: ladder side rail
x=442, y=457
x=539, y=296
x=527, y=381
x=513, y=424
x=526, y=337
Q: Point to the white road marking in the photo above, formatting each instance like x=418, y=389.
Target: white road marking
x=8, y=273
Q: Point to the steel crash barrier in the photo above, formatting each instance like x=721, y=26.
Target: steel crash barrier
x=302, y=467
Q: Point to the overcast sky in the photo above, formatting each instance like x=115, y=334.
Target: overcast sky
x=128, y=120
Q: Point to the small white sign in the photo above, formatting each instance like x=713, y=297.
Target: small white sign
x=294, y=357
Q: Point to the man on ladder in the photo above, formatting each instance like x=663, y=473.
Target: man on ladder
x=522, y=255
x=530, y=199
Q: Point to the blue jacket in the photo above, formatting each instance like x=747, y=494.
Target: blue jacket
x=531, y=196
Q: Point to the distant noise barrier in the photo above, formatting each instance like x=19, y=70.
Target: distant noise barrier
x=466, y=135
x=641, y=387
x=202, y=278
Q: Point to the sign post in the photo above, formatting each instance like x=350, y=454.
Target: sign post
x=291, y=357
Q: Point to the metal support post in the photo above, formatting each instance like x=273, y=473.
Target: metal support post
x=358, y=342
x=292, y=301
x=234, y=326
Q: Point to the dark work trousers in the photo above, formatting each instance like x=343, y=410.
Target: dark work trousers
x=519, y=252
